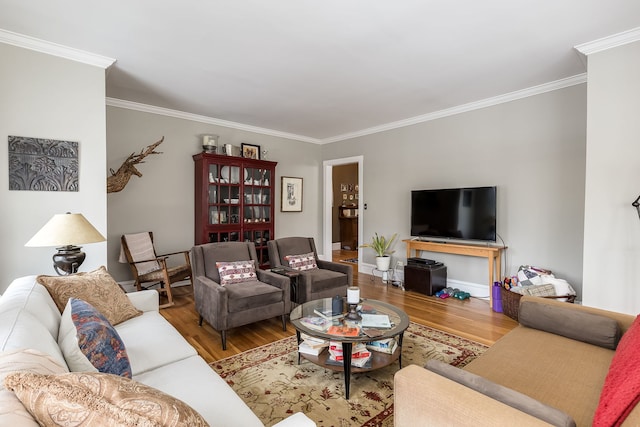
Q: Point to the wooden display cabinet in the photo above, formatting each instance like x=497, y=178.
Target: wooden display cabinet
x=234, y=201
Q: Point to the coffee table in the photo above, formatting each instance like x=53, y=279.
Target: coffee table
x=399, y=323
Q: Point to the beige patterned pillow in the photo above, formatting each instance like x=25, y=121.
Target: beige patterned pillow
x=97, y=399
x=97, y=288
x=236, y=271
x=302, y=262
x=12, y=412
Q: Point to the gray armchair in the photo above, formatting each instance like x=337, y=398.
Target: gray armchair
x=236, y=304
x=328, y=280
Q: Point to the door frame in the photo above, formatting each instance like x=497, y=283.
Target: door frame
x=327, y=167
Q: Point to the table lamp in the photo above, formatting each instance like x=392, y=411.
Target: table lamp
x=66, y=231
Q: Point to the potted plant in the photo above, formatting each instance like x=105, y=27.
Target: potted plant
x=381, y=247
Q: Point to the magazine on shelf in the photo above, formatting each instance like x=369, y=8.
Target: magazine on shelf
x=305, y=348
x=360, y=356
x=313, y=341
x=375, y=321
x=387, y=346
x=316, y=323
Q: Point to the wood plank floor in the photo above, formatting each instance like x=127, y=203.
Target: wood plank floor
x=471, y=318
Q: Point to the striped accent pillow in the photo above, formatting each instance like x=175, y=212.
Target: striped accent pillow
x=236, y=272
x=302, y=262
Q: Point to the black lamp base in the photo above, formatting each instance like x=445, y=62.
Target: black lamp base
x=68, y=259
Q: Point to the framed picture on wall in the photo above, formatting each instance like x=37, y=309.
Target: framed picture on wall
x=291, y=194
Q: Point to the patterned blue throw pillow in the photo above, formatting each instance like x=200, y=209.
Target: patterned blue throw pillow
x=89, y=342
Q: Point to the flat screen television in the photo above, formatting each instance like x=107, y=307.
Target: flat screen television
x=454, y=213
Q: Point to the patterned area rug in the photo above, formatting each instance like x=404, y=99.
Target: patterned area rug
x=352, y=260
x=271, y=382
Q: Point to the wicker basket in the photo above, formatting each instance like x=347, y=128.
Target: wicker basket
x=511, y=302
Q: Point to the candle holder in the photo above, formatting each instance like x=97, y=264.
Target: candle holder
x=353, y=299
x=353, y=314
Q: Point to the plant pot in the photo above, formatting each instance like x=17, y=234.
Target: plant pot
x=383, y=262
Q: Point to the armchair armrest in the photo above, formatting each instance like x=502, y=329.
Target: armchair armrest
x=210, y=298
x=422, y=397
x=145, y=300
x=277, y=280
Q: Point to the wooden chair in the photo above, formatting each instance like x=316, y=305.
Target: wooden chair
x=137, y=250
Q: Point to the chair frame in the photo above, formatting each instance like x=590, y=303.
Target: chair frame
x=166, y=278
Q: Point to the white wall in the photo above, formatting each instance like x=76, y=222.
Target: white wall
x=612, y=226
x=532, y=149
x=162, y=199
x=48, y=97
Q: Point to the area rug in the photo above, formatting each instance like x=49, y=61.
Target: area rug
x=274, y=386
x=351, y=260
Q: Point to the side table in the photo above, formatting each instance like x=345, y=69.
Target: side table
x=390, y=274
x=293, y=280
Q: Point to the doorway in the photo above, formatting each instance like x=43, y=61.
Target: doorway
x=355, y=203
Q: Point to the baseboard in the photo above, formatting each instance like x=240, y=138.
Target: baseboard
x=477, y=290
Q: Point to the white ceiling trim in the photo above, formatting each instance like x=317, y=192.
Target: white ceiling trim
x=146, y=108
x=609, y=42
x=512, y=96
x=488, y=102
x=43, y=46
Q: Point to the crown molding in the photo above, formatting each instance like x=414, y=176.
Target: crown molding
x=146, y=108
x=488, y=102
x=615, y=40
x=43, y=46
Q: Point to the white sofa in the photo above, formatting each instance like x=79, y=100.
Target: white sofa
x=160, y=357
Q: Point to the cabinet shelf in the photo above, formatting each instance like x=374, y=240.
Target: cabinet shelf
x=234, y=201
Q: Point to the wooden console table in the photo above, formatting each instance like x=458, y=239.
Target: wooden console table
x=492, y=253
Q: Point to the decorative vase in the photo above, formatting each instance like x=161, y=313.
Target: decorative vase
x=383, y=262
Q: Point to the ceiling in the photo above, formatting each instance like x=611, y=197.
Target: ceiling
x=323, y=71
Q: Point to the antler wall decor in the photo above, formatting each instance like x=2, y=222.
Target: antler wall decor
x=636, y=204
x=118, y=179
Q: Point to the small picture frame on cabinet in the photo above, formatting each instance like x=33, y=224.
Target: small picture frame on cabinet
x=250, y=151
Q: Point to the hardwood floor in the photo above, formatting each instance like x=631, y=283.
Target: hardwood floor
x=472, y=319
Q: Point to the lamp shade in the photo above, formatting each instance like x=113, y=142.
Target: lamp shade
x=66, y=230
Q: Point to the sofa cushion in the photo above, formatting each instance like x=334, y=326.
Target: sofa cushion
x=20, y=329
x=244, y=296
x=236, y=271
x=98, y=399
x=555, y=370
x=503, y=394
x=12, y=411
x=192, y=380
x=621, y=391
x=586, y=327
x=152, y=342
x=27, y=294
x=97, y=288
x=323, y=279
x=302, y=262
x=89, y=343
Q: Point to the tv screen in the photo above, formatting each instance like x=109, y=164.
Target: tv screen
x=454, y=213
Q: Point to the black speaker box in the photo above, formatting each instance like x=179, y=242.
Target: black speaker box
x=425, y=279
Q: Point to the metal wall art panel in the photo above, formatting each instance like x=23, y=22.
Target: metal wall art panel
x=37, y=164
